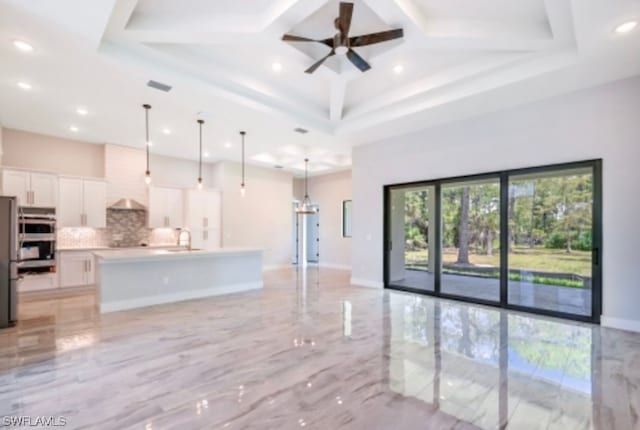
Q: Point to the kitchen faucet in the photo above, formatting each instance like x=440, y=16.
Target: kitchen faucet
x=180, y=231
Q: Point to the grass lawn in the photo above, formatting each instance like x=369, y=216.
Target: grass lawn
x=541, y=259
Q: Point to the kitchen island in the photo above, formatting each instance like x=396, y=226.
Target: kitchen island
x=135, y=278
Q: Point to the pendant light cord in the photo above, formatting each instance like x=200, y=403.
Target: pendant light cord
x=200, y=122
x=243, y=133
x=146, y=122
x=306, y=178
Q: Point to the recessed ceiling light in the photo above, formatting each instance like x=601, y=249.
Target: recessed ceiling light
x=25, y=86
x=276, y=67
x=166, y=131
x=205, y=155
x=22, y=45
x=626, y=27
x=81, y=111
x=73, y=128
x=399, y=68
x=227, y=144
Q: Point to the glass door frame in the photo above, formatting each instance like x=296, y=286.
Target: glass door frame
x=503, y=176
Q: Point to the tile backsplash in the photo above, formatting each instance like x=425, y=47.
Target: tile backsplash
x=81, y=237
x=124, y=228
x=127, y=228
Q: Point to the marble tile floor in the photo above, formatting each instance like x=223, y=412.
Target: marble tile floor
x=575, y=301
x=310, y=351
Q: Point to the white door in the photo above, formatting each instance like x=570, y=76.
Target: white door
x=44, y=190
x=174, y=207
x=313, y=236
x=95, y=204
x=70, y=209
x=16, y=183
x=73, y=269
x=157, y=207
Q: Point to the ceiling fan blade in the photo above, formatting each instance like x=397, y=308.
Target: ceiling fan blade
x=292, y=38
x=357, y=60
x=370, y=39
x=318, y=63
x=344, y=20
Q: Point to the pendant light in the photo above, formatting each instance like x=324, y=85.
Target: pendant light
x=306, y=207
x=242, y=188
x=147, y=173
x=200, y=122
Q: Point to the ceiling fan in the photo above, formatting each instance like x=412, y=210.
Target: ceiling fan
x=342, y=44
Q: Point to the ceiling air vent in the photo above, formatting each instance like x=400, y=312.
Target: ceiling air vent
x=159, y=86
x=301, y=130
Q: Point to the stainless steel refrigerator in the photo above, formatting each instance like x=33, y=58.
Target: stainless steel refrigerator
x=8, y=260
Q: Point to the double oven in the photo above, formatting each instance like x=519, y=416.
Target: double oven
x=36, y=241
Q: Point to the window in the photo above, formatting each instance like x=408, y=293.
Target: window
x=346, y=218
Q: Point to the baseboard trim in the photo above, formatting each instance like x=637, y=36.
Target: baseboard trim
x=122, y=305
x=365, y=283
x=276, y=267
x=335, y=266
x=620, y=323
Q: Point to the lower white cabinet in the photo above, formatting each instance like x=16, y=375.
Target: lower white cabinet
x=43, y=281
x=77, y=268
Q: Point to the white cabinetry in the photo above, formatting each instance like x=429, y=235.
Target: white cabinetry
x=83, y=203
x=203, y=216
x=165, y=207
x=76, y=268
x=32, y=188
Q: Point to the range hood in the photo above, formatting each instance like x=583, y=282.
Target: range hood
x=127, y=205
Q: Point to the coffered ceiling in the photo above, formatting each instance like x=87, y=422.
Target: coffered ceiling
x=227, y=63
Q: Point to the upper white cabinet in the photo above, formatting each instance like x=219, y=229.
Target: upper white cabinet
x=32, y=189
x=203, y=214
x=203, y=208
x=83, y=203
x=165, y=207
x=95, y=204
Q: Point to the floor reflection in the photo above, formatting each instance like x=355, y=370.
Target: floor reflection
x=490, y=368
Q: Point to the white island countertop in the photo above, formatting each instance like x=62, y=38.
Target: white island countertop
x=134, y=278
x=150, y=254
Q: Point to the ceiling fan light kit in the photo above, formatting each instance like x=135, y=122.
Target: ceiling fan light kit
x=342, y=44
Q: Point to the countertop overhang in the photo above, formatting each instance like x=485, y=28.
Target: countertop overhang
x=147, y=255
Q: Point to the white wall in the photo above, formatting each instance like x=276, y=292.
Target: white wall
x=53, y=154
x=329, y=191
x=125, y=167
x=261, y=219
x=602, y=122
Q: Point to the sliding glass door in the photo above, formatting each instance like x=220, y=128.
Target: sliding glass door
x=526, y=239
x=551, y=240
x=471, y=238
x=411, y=244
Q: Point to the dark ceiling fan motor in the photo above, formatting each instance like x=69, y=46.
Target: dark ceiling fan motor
x=342, y=44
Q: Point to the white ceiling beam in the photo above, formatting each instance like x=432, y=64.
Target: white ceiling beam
x=338, y=93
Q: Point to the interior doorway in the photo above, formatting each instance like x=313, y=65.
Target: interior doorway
x=305, y=237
